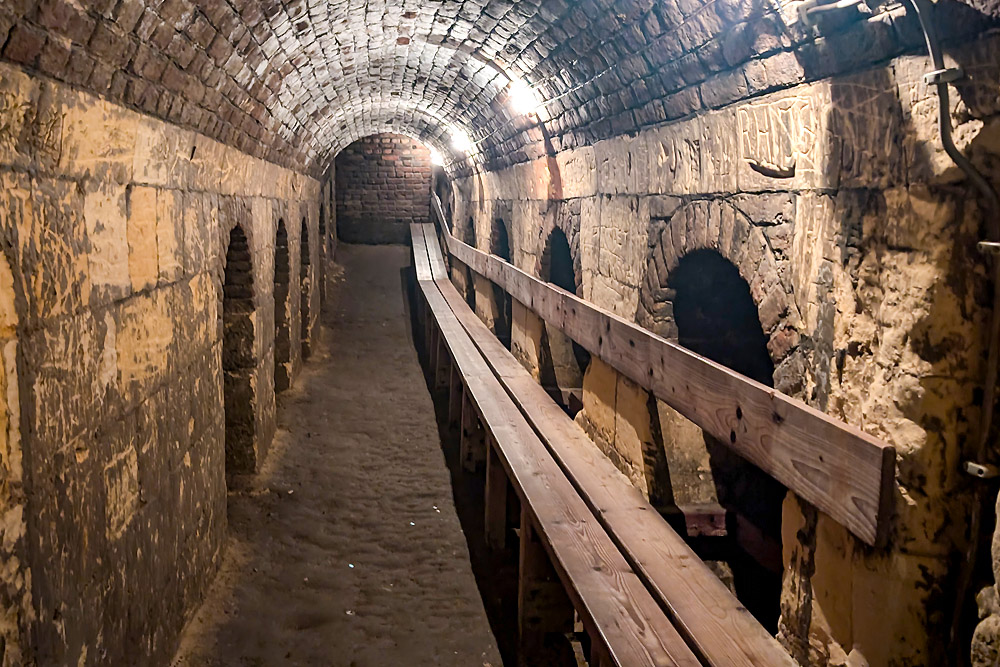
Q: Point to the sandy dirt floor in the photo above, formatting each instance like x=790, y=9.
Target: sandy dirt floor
x=346, y=549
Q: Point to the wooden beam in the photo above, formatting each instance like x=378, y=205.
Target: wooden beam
x=442, y=365
x=472, y=446
x=496, y=497
x=544, y=611
x=455, y=393
x=843, y=471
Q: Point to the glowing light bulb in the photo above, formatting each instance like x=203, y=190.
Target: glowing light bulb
x=436, y=158
x=523, y=98
x=461, y=141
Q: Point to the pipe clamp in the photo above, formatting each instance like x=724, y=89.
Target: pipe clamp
x=981, y=470
x=946, y=75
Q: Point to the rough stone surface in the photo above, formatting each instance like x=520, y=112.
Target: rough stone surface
x=855, y=235
x=115, y=230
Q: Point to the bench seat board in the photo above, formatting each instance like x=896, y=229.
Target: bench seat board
x=606, y=592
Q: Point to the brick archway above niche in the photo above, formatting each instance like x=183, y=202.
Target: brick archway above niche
x=756, y=248
x=565, y=216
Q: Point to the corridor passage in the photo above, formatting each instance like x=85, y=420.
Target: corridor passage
x=346, y=549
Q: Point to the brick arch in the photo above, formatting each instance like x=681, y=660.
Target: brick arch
x=565, y=217
x=501, y=240
x=717, y=225
x=562, y=362
x=500, y=245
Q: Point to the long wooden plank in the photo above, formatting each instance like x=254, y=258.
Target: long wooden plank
x=435, y=258
x=712, y=619
x=843, y=471
x=421, y=262
x=605, y=590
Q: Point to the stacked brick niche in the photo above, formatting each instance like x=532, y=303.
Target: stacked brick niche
x=383, y=184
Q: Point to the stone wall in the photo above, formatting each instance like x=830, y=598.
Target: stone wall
x=855, y=236
x=114, y=229
x=383, y=183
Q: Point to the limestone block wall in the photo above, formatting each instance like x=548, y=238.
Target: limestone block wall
x=114, y=229
x=383, y=183
x=856, y=241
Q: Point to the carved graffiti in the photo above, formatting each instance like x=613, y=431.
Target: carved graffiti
x=778, y=134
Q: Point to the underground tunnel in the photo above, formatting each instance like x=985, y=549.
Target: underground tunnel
x=481, y=332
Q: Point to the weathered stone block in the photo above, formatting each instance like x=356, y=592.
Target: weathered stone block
x=50, y=245
x=169, y=235
x=105, y=212
x=145, y=332
x=98, y=139
x=143, y=261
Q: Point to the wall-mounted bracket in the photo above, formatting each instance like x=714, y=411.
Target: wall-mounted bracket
x=981, y=470
x=989, y=247
x=945, y=75
x=809, y=9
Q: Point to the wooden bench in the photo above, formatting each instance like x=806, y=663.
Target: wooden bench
x=567, y=559
x=844, y=472
x=708, y=615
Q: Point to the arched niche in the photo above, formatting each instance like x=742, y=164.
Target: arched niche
x=305, y=289
x=562, y=362
x=500, y=246
x=282, y=310
x=238, y=358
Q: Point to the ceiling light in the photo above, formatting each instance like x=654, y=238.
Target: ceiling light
x=461, y=141
x=436, y=158
x=523, y=98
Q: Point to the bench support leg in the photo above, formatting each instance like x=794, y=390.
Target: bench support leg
x=544, y=610
x=455, y=394
x=496, y=499
x=432, y=345
x=421, y=307
x=442, y=364
x=599, y=656
x=472, y=447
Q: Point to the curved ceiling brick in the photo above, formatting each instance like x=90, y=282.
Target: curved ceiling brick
x=295, y=81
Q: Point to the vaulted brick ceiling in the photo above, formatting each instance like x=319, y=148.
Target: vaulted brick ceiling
x=297, y=80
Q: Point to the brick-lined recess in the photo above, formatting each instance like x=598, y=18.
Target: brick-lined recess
x=297, y=80
x=238, y=363
x=383, y=184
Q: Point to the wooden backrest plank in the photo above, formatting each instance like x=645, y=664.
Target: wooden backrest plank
x=712, y=619
x=599, y=579
x=843, y=471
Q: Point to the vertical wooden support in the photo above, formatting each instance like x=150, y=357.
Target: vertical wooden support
x=472, y=445
x=455, y=394
x=496, y=498
x=599, y=656
x=442, y=364
x=432, y=345
x=421, y=305
x=544, y=610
